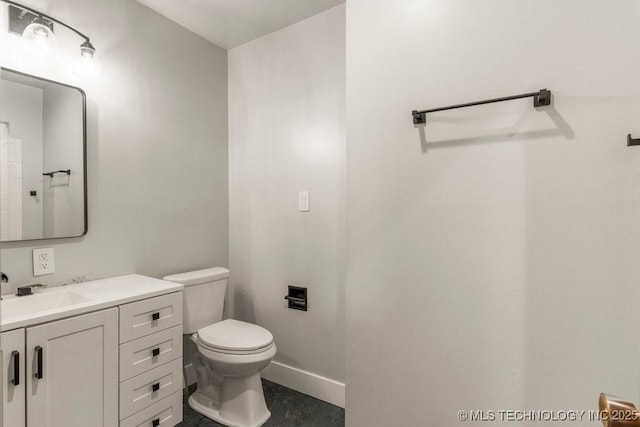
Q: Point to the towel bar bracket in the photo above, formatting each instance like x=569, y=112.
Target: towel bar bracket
x=632, y=141
x=542, y=99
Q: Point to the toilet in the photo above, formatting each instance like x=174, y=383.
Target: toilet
x=230, y=355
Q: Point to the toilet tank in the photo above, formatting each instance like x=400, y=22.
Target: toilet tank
x=204, y=292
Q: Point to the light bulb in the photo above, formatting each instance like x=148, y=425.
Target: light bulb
x=85, y=66
x=41, y=37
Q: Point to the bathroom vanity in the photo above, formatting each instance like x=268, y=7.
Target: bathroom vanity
x=103, y=353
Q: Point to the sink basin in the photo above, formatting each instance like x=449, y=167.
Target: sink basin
x=40, y=301
x=59, y=302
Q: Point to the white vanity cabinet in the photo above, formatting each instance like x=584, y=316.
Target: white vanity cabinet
x=13, y=387
x=72, y=371
x=112, y=358
x=67, y=373
x=151, y=362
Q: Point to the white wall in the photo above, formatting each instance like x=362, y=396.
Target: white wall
x=22, y=108
x=10, y=186
x=494, y=264
x=157, y=145
x=286, y=134
x=63, y=195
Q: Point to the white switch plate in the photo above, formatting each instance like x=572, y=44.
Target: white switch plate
x=304, y=201
x=43, y=261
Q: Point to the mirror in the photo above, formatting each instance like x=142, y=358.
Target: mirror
x=43, y=185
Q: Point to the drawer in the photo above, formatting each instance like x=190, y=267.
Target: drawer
x=137, y=393
x=137, y=356
x=165, y=413
x=149, y=316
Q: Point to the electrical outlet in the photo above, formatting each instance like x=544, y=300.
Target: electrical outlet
x=43, y=261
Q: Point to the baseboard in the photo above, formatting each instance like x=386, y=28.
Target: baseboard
x=311, y=384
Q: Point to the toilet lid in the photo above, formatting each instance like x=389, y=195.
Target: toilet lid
x=235, y=335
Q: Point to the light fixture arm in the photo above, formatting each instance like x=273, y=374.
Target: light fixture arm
x=44, y=15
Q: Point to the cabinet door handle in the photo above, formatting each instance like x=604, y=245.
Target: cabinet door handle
x=155, y=387
x=155, y=423
x=156, y=352
x=39, y=373
x=16, y=367
x=155, y=316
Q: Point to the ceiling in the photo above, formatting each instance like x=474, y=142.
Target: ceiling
x=230, y=23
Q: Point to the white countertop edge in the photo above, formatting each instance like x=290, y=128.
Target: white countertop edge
x=117, y=297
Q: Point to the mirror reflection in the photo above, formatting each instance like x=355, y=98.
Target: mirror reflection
x=42, y=159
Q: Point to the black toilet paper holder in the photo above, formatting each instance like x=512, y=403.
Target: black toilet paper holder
x=297, y=298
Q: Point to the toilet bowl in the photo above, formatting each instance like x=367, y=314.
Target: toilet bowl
x=230, y=354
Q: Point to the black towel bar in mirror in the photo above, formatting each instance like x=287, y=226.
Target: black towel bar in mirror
x=50, y=174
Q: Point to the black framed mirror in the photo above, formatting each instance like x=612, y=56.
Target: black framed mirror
x=43, y=158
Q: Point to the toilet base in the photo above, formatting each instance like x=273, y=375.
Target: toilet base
x=241, y=405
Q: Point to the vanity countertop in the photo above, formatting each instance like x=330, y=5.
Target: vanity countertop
x=79, y=298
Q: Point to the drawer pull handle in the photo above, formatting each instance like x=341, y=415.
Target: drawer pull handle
x=156, y=352
x=155, y=387
x=155, y=316
x=155, y=423
x=38, y=374
x=16, y=367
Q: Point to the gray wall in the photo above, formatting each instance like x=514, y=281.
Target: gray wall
x=287, y=134
x=157, y=146
x=492, y=264
x=63, y=195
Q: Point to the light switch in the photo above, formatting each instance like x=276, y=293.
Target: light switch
x=304, y=202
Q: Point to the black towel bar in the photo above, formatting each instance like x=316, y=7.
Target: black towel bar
x=50, y=174
x=541, y=98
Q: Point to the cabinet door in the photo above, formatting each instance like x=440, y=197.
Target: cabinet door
x=72, y=372
x=13, y=364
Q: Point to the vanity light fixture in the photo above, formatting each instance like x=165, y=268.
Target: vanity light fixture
x=40, y=31
x=85, y=65
x=39, y=28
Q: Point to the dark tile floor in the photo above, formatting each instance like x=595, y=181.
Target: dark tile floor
x=288, y=409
